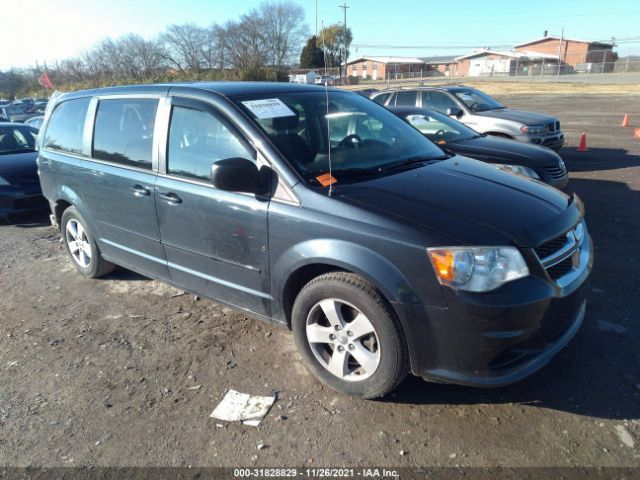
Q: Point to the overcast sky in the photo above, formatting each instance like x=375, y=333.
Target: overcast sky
x=45, y=30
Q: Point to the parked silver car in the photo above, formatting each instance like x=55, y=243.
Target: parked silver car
x=479, y=111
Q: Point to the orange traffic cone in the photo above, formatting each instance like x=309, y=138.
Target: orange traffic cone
x=636, y=133
x=583, y=142
x=625, y=120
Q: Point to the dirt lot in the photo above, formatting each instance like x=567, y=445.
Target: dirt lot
x=101, y=372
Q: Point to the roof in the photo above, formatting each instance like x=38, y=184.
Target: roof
x=510, y=54
x=221, y=88
x=439, y=60
x=553, y=37
x=387, y=59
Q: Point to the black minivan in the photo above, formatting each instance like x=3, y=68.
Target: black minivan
x=320, y=210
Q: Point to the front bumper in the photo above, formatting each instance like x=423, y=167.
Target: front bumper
x=554, y=140
x=21, y=199
x=498, y=337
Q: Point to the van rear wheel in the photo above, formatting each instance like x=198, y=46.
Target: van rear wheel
x=81, y=247
x=348, y=336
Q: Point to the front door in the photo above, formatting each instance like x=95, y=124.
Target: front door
x=216, y=241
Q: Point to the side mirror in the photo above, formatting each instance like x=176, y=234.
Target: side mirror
x=454, y=112
x=236, y=175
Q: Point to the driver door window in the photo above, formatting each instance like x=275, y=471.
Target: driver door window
x=197, y=139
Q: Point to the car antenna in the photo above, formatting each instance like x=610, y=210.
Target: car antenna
x=326, y=93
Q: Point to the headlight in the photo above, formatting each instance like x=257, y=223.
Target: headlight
x=533, y=129
x=529, y=172
x=3, y=181
x=477, y=269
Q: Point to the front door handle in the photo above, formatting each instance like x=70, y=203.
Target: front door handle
x=170, y=197
x=140, y=191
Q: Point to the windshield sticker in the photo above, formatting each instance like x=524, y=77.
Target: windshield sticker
x=326, y=179
x=268, y=108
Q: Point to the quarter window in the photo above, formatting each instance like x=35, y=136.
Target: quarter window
x=66, y=126
x=197, y=139
x=123, y=131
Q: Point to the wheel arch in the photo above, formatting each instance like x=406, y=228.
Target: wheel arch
x=305, y=261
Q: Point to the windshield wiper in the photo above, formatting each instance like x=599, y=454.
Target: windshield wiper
x=413, y=162
x=18, y=150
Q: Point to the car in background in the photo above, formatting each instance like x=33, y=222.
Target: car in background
x=15, y=113
x=522, y=158
x=35, y=122
x=479, y=111
x=19, y=184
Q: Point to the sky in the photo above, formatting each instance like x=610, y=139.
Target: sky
x=46, y=30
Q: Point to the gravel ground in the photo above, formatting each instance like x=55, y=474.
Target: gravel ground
x=125, y=371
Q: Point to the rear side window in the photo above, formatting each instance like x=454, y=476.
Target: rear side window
x=66, y=126
x=407, y=99
x=197, y=139
x=438, y=101
x=123, y=131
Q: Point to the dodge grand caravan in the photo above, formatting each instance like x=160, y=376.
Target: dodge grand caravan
x=322, y=211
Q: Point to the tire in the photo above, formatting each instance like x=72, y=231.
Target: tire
x=359, y=347
x=87, y=259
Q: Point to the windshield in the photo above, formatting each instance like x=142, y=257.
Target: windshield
x=17, y=139
x=360, y=135
x=478, y=101
x=14, y=110
x=439, y=128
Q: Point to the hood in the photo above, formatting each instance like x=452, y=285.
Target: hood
x=522, y=116
x=18, y=165
x=469, y=201
x=501, y=150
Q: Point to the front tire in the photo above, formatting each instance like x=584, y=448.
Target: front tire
x=81, y=247
x=348, y=336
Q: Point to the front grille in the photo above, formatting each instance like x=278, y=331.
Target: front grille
x=552, y=246
x=551, y=127
x=560, y=269
x=555, y=171
x=557, y=126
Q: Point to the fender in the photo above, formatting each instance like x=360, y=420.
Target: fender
x=344, y=255
x=66, y=194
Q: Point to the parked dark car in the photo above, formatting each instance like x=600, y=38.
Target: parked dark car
x=15, y=113
x=19, y=184
x=523, y=158
x=479, y=111
x=320, y=210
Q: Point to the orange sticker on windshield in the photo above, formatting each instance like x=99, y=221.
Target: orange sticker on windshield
x=326, y=179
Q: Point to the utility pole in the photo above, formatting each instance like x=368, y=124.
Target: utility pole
x=560, y=51
x=344, y=9
x=316, y=18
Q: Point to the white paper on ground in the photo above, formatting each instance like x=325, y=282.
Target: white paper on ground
x=242, y=407
x=268, y=108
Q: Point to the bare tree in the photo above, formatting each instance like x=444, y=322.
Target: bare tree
x=185, y=46
x=284, y=30
x=245, y=42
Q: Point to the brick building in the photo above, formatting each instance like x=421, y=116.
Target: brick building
x=500, y=63
x=379, y=68
x=580, y=55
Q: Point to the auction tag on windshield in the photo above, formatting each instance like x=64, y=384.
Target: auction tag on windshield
x=326, y=179
x=268, y=108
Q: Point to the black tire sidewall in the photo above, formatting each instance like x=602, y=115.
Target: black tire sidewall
x=92, y=270
x=393, y=353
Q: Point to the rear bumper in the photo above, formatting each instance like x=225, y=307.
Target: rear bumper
x=499, y=337
x=21, y=199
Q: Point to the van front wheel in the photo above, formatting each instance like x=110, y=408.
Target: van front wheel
x=348, y=336
x=81, y=246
